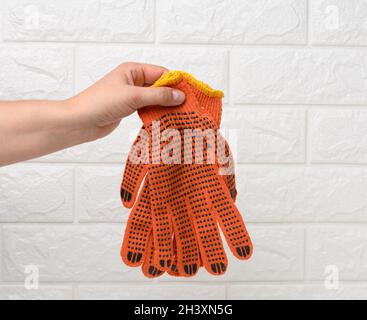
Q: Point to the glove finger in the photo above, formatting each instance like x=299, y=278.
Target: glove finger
x=138, y=229
x=230, y=221
x=148, y=268
x=226, y=164
x=162, y=234
x=230, y=183
x=211, y=247
x=173, y=271
x=188, y=253
x=135, y=169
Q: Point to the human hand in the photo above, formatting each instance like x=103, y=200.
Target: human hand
x=99, y=109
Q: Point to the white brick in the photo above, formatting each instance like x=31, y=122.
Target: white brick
x=79, y=20
x=66, y=253
x=38, y=193
x=299, y=76
x=279, y=196
x=339, y=22
x=93, y=63
x=36, y=72
x=152, y=292
x=232, y=21
x=278, y=256
x=111, y=149
x=1, y=20
x=98, y=194
x=266, y=135
x=296, y=292
x=42, y=293
x=302, y=194
x=343, y=248
x=338, y=136
x=265, y=292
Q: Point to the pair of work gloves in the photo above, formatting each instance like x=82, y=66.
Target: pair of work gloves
x=182, y=188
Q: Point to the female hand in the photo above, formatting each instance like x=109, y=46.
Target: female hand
x=30, y=129
x=126, y=89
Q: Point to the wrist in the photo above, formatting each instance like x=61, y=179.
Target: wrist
x=73, y=123
x=82, y=124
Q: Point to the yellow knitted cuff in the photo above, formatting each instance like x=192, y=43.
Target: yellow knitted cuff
x=172, y=78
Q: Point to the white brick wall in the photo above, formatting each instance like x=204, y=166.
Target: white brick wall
x=294, y=73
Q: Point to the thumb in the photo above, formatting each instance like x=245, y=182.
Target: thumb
x=166, y=97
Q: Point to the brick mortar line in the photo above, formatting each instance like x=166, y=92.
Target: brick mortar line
x=275, y=224
x=74, y=197
x=155, y=22
x=305, y=269
x=309, y=23
x=163, y=283
x=229, y=80
x=1, y=253
x=307, y=139
x=181, y=45
x=171, y=45
x=2, y=22
x=269, y=165
x=295, y=107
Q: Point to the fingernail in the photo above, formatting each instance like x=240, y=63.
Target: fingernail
x=178, y=96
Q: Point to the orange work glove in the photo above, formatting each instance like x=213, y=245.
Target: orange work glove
x=140, y=229
x=187, y=200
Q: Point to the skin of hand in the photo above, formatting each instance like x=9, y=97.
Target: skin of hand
x=31, y=129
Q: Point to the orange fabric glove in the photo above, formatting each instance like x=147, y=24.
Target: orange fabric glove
x=140, y=221
x=140, y=228
x=187, y=200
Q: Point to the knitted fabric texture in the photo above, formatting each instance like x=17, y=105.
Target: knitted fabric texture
x=174, y=224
